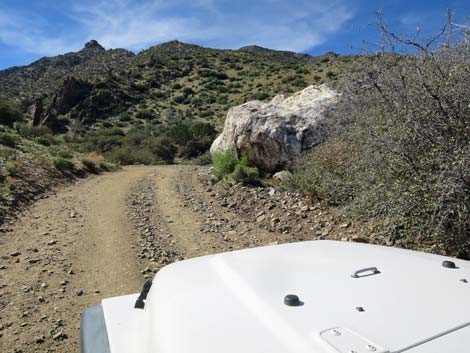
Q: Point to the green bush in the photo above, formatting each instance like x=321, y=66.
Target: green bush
x=227, y=165
x=144, y=114
x=260, y=96
x=129, y=156
x=245, y=174
x=325, y=173
x=9, y=113
x=224, y=163
x=108, y=167
x=193, y=139
x=163, y=149
x=91, y=166
x=64, y=164
x=203, y=159
x=8, y=139
x=330, y=74
x=60, y=151
x=28, y=131
x=46, y=140
x=179, y=99
x=11, y=168
x=188, y=91
x=124, y=117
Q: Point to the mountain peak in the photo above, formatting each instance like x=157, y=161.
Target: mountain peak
x=93, y=44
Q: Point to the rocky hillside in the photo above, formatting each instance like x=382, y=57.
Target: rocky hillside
x=98, y=90
x=43, y=77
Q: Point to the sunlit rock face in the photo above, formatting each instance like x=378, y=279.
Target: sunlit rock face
x=270, y=134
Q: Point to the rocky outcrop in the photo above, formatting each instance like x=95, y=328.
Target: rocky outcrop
x=270, y=134
x=93, y=45
x=72, y=93
x=37, y=112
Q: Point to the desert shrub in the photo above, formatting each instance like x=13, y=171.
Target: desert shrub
x=8, y=139
x=163, y=149
x=60, y=151
x=324, y=174
x=243, y=173
x=28, y=131
x=195, y=148
x=125, y=117
x=179, y=99
x=64, y=164
x=92, y=162
x=227, y=165
x=47, y=140
x=9, y=113
x=202, y=130
x=103, y=141
x=91, y=166
x=214, y=74
x=192, y=138
x=330, y=74
x=404, y=122
x=108, y=167
x=224, y=162
x=11, y=168
x=203, y=159
x=144, y=114
x=128, y=156
x=58, y=124
x=187, y=91
x=107, y=124
x=260, y=96
x=299, y=82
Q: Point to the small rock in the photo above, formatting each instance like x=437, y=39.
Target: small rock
x=15, y=254
x=260, y=219
x=282, y=176
x=39, y=339
x=146, y=270
x=79, y=292
x=344, y=225
x=59, y=336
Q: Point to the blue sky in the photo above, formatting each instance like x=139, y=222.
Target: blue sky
x=36, y=28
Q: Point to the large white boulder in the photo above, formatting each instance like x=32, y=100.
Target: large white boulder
x=270, y=134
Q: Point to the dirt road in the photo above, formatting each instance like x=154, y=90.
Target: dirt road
x=104, y=235
x=97, y=238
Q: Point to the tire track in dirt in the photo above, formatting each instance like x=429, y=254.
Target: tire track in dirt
x=63, y=254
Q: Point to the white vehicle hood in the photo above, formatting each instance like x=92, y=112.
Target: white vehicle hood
x=234, y=302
